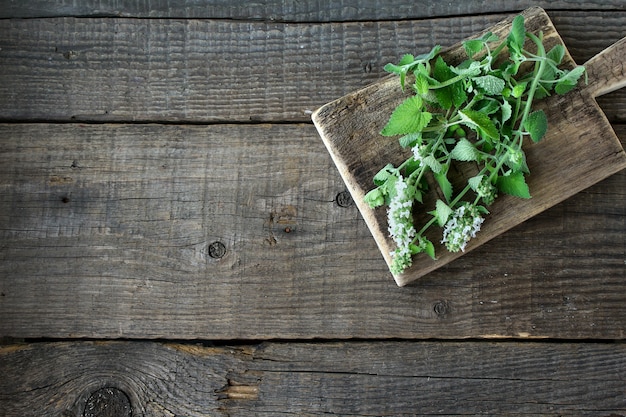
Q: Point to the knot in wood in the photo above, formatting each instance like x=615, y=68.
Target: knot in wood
x=217, y=250
x=344, y=199
x=108, y=402
x=441, y=308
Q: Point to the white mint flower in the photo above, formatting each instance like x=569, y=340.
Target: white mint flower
x=400, y=261
x=419, y=152
x=487, y=191
x=461, y=227
x=401, y=230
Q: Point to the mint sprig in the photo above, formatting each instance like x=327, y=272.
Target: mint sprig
x=479, y=111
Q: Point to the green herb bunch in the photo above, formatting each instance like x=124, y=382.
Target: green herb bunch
x=479, y=111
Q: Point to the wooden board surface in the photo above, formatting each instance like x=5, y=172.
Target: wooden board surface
x=106, y=232
x=277, y=379
x=579, y=149
x=281, y=10
x=117, y=69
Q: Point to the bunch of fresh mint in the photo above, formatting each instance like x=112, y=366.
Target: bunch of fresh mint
x=479, y=111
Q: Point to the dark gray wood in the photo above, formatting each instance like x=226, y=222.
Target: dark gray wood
x=289, y=11
x=244, y=231
x=286, y=379
x=106, y=69
x=107, y=231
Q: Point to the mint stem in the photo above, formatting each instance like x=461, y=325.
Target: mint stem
x=538, y=72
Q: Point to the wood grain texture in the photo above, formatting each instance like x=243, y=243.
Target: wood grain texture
x=286, y=11
x=106, y=229
x=113, y=230
x=579, y=149
x=286, y=379
x=116, y=69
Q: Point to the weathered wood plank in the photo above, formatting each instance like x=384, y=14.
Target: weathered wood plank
x=287, y=11
x=108, y=231
x=106, y=69
x=285, y=379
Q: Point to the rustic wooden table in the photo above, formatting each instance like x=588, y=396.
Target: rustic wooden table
x=176, y=241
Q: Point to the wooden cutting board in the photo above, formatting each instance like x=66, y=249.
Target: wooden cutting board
x=579, y=149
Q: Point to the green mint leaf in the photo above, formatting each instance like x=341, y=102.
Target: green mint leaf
x=513, y=184
x=519, y=89
x=516, y=160
x=442, y=73
x=444, y=97
x=474, y=182
x=430, y=249
x=408, y=62
x=418, y=196
x=383, y=175
x=411, y=165
x=374, y=198
x=517, y=36
x=442, y=212
x=425, y=118
x=410, y=140
x=536, y=124
x=408, y=117
x=541, y=92
x=421, y=69
x=454, y=94
x=464, y=151
x=569, y=80
x=557, y=53
x=444, y=184
x=392, y=68
x=489, y=37
x=563, y=87
x=432, y=163
x=513, y=67
x=465, y=70
x=415, y=249
x=481, y=122
x=548, y=76
x=429, y=55
x=421, y=84
x=406, y=59
x=402, y=79
x=473, y=46
x=488, y=106
x=490, y=84
x=389, y=188
x=507, y=111
x=430, y=99
x=459, y=95
x=398, y=70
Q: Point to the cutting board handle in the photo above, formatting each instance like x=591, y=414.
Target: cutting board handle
x=607, y=70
